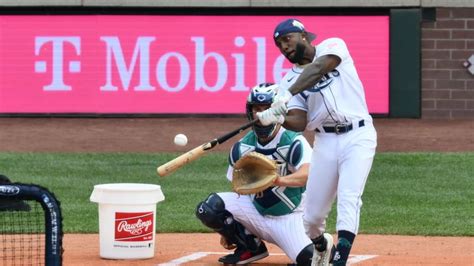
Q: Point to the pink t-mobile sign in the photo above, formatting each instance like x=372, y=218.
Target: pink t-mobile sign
x=164, y=64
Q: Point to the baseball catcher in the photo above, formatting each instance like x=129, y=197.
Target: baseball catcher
x=268, y=169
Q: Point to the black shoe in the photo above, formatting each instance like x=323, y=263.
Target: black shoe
x=244, y=256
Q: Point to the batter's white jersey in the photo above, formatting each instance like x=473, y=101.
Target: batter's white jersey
x=338, y=97
x=340, y=163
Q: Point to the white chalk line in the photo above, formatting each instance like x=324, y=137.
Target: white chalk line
x=353, y=259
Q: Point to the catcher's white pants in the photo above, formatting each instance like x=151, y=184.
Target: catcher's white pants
x=286, y=231
x=340, y=165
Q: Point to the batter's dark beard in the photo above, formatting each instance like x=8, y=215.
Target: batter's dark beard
x=299, y=53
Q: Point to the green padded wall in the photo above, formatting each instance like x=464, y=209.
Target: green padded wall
x=405, y=66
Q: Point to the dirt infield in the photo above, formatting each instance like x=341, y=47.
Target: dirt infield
x=156, y=135
x=204, y=249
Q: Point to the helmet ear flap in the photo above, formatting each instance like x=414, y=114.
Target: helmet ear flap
x=248, y=111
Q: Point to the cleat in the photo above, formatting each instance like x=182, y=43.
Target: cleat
x=323, y=258
x=245, y=256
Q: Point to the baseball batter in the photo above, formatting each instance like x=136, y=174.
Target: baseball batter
x=274, y=215
x=328, y=100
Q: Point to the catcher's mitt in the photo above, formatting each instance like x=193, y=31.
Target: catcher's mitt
x=253, y=173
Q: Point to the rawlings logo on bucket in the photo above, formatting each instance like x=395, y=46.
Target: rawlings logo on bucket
x=133, y=226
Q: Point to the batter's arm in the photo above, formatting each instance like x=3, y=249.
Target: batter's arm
x=313, y=73
x=295, y=120
x=296, y=179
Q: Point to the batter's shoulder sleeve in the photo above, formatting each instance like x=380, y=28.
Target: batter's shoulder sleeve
x=333, y=46
x=299, y=101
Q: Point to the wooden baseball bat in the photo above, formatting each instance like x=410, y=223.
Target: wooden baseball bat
x=197, y=152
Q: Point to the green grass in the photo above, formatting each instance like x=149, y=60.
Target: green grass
x=420, y=194
x=406, y=193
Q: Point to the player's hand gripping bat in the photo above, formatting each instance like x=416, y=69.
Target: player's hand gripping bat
x=197, y=152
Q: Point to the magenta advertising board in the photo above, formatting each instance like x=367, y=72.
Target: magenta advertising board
x=110, y=64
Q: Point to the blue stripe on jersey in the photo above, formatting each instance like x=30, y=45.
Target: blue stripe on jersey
x=304, y=96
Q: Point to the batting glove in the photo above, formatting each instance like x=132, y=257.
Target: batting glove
x=269, y=117
x=279, y=102
x=279, y=108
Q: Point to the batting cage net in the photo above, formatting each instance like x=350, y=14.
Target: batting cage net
x=30, y=226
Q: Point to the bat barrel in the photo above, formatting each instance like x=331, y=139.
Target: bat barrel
x=181, y=160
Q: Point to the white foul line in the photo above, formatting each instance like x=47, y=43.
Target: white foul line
x=198, y=255
x=353, y=259
x=185, y=259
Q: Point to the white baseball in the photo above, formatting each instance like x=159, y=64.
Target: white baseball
x=180, y=140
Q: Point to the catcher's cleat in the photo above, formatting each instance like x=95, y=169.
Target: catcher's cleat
x=243, y=256
x=322, y=258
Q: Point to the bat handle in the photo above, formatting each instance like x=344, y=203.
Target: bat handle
x=229, y=135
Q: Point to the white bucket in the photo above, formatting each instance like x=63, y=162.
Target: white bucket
x=127, y=219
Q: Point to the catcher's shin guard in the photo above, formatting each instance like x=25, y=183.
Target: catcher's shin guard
x=213, y=214
x=305, y=256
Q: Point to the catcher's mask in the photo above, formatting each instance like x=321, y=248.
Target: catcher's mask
x=263, y=93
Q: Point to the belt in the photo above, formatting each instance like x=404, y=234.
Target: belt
x=340, y=128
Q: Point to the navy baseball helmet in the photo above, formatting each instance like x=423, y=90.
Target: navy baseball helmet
x=291, y=25
x=263, y=93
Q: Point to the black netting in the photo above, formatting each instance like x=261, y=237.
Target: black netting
x=22, y=238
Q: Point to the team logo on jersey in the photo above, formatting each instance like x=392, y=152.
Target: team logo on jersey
x=325, y=81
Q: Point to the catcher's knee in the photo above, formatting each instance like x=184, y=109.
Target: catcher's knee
x=212, y=212
x=305, y=255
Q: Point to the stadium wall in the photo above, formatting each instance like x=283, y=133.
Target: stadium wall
x=447, y=43
x=445, y=87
